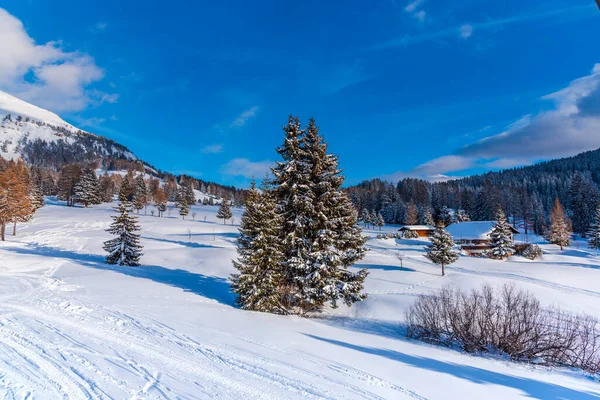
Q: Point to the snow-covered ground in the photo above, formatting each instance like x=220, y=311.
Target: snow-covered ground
x=73, y=327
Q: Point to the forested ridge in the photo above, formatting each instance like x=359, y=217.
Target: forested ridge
x=526, y=194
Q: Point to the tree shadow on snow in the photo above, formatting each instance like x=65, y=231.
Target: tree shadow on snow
x=530, y=387
x=231, y=235
x=386, y=267
x=388, y=329
x=182, y=243
x=207, y=286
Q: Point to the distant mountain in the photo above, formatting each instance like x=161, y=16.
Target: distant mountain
x=43, y=139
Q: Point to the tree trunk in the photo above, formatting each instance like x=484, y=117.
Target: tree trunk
x=443, y=271
x=15, y=229
x=2, y=229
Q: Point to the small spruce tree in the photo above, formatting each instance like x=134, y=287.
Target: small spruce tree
x=502, y=241
x=427, y=217
x=365, y=217
x=441, y=251
x=125, y=249
x=224, y=211
x=183, y=203
x=35, y=196
x=380, y=221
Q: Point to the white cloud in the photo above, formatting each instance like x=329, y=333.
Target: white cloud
x=46, y=75
x=420, y=15
x=99, y=27
x=246, y=168
x=413, y=9
x=503, y=163
x=412, y=6
x=554, y=15
x=571, y=127
x=466, y=31
x=434, y=170
x=212, y=149
x=91, y=122
x=244, y=117
x=568, y=129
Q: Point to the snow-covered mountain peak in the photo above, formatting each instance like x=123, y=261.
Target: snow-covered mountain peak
x=42, y=138
x=11, y=105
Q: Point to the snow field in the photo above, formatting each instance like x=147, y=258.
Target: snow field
x=73, y=327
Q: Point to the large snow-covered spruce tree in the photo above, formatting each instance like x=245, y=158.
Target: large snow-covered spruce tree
x=87, y=189
x=319, y=233
x=502, y=241
x=125, y=249
x=441, y=251
x=259, y=254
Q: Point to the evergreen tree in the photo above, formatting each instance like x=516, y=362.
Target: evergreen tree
x=365, y=217
x=380, y=221
x=441, y=251
x=35, y=196
x=319, y=234
x=412, y=214
x=427, y=217
x=182, y=202
x=559, y=232
x=373, y=219
x=224, y=211
x=501, y=235
x=582, y=199
x=593, y=232
x=189, y=194
x=140, y=194
x=125, y=249
x=259, y=254
x=445, y=217
x=461, y=216
x=87, y=189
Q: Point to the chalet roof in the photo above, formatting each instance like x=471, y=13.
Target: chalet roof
x=473, y=230
x=416, y=228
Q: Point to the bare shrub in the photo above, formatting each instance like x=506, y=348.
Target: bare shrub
x=507, y=320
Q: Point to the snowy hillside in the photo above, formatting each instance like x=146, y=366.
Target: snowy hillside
x=43, y=138
x=73, y=327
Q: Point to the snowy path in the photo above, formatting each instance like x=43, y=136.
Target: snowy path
x=72, y=327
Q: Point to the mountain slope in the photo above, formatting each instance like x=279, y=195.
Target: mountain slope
x=42, y=138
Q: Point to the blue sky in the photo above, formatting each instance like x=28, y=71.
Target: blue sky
x=425, y=88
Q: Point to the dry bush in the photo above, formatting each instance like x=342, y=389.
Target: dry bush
x=508, y=320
